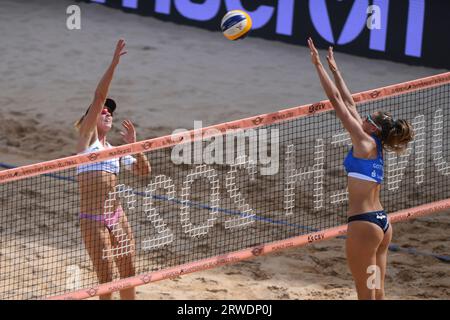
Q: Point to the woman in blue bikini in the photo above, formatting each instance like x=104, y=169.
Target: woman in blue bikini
x=103, y=224
x=369, y=232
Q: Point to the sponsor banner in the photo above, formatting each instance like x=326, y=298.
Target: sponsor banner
x=409, y=31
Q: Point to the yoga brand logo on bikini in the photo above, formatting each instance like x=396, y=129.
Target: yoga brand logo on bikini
x=381, y=216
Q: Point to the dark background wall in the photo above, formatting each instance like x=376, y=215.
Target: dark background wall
x=410, y=31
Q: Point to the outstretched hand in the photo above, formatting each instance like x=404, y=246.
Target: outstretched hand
x=119, y=52
x=129, y=134
x=315, y=58
x=331, y=62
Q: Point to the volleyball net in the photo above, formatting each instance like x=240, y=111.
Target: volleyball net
x=214, y=196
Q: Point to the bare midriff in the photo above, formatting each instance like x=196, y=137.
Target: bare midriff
x=363, y=196
x=94, y=189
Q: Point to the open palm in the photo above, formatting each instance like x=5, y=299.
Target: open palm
x=330, y=58
x=119, y=51
x=129, y=134
x=315, y=58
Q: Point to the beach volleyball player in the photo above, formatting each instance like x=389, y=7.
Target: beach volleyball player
x=96, y=180
x=369, y=231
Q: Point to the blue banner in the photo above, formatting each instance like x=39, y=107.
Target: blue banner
x=409, y=31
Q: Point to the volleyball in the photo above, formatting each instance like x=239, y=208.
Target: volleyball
x=236, y=24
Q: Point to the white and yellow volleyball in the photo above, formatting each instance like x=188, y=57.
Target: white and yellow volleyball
x=236, y=24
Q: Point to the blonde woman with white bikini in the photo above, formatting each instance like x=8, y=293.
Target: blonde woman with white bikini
x=97, y=180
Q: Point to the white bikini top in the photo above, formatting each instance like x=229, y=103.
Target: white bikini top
x=111, y=165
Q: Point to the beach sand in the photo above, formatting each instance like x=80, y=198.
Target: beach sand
x=171, y=76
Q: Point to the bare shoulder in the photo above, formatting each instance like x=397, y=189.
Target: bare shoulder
x=85, y=140
x=365, y=147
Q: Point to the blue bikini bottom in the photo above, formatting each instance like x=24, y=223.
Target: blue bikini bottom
x=377, y=217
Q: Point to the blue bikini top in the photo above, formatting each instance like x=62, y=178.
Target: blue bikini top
x=366, y=169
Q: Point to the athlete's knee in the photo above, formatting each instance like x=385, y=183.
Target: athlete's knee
x=105, y=277
x=104, y=271
x=126, y=266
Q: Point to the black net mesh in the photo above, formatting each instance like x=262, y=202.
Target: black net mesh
x=184, y=212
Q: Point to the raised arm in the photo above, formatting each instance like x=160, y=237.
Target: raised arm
x=349, y=122
x=341, y=85
x=89, y=122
